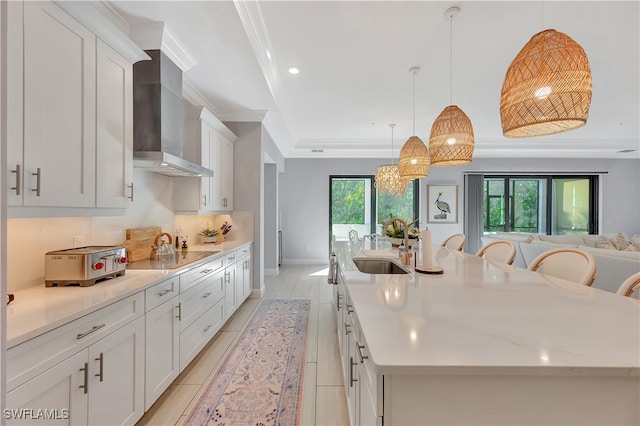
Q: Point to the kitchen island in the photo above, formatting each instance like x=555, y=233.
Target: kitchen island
x=484, y=343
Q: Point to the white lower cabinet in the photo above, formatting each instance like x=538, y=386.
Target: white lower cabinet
x=363, y=387
x=201, y=308
x=198, y=334
x=244, y=279
x=100, y=385
x=162, y=339
x=58, y=388
x=116, y=377
x=231, y=291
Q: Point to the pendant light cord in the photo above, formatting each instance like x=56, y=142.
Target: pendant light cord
x=392, y=126
x=450, y=59
x=414, y=102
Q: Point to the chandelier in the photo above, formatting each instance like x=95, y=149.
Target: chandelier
x=451, y=142
x=414, y=156
x=388, y=180
x=547, y=88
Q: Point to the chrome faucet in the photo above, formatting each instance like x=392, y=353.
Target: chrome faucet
x=405, y=228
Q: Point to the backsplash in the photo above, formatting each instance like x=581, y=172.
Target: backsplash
x=28, y=239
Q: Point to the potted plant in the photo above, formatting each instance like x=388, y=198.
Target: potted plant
x=395, y=231
x=209, y=235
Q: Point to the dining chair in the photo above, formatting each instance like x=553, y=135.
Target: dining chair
x=503, y=251
x=629, y=285
x=353, y=236
x=567, y=263
x=454, y=242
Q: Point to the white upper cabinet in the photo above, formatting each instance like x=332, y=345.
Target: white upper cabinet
x=223, y=177
x=114, y=136
x=69, y=112
x=59, y=109
x=209, y=143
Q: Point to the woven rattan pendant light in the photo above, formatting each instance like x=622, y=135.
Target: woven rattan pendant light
x=547, y=88
x=414, y=155
x=451, y=141
x=388, y=180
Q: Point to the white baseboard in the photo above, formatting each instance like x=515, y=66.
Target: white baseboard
x=305, y=261
x=271, y=271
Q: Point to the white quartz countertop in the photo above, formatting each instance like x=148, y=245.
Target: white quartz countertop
x=483, y=318
x=37, y=310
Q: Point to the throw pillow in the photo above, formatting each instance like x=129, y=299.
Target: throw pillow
x=635, y=241
x=631, y=247
x=619, y=240
x=605, y=243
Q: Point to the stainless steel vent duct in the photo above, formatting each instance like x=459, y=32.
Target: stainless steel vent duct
x=158, y=118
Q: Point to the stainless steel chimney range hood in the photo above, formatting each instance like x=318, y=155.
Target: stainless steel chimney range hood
x=158, y=118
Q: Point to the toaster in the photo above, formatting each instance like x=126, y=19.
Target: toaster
x=84, y=266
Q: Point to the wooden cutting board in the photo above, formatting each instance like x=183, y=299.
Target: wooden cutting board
x=139, y=242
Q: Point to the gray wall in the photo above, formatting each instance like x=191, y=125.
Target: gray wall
x=270, y=218
x=304, y=196
x=252, y=149
x=247, y=181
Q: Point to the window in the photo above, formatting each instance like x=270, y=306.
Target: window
x=553, y=205
x=355, y=204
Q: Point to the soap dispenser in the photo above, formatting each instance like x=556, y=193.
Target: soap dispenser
x=401, y=251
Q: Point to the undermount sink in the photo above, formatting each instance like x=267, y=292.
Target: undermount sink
x=378, y=266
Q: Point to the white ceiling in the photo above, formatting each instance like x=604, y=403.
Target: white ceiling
x=354, y=59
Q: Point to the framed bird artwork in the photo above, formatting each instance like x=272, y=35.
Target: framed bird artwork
x=442, y=203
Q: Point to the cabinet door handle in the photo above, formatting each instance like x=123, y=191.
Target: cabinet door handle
x=338, y=300
x=93, y=330
x=349, y=308
x=17, y=171
x=101, y=359
x=85, y=386
x=38, y=175
x=179, y=316
x=206, y=328
x=362, y=356
x=206, y=271
x=131, y=194
x=204, y=197
x=163, y=292
x=204, y=296
x=347, y=331
x=351, y=378
x=227, y=277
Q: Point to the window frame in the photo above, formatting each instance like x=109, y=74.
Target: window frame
x=593, y=219
x=373, y=201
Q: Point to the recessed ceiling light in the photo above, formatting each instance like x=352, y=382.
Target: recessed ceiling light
x=294, y=70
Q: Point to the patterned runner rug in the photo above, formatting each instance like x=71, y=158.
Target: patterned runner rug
x=260, y=381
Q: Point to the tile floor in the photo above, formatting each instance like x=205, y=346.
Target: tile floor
x=323, y=396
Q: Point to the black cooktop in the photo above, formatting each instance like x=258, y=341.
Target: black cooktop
x=181, y=259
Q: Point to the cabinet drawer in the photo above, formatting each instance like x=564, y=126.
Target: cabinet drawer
x=231, y=257
x=244, y=251
x=198, y=299
x=34, y=356
x=160, y=293
x=371, y=383
x=198, y=334
x=199, y=273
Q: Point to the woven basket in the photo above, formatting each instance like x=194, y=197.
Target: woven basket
x=452, y=123
x=555, y=64
x=414, y=159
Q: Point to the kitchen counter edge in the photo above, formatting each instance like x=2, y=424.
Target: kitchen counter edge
x=37, y=310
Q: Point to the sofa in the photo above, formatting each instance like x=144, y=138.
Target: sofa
x=617, y=256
